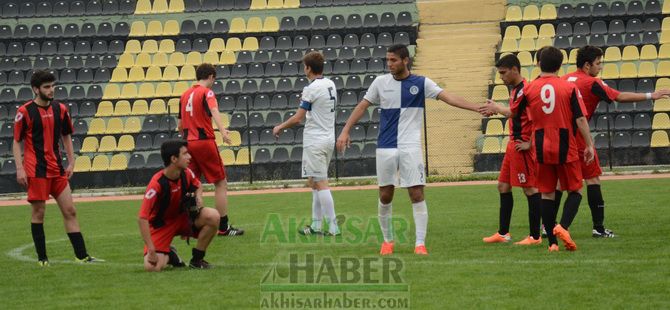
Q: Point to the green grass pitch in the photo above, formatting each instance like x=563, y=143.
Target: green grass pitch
x=461, y=272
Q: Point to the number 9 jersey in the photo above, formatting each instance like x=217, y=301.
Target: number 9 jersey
x=554, y=105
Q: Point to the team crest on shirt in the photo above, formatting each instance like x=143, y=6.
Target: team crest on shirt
x=520, y=93
x=19, y=117
x=522, y=177
x=150, y=194
x=210, y=94
x=414, y=90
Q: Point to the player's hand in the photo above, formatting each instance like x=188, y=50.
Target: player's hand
x=276, y=131
x=343, y=142
x=225, y=136
x=152, y=257
x=69, y=170
x=661, y=93
x=521, y=145
x=489, y=108
x=589, y=154
x=21, y=177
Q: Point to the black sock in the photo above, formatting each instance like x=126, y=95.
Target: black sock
x=534, y=214
x=549, y=219
x=557, y=202
x=78, y=245
x=570, y=209
x=173, y=258
x=506, y=205
x=223, y=224
x=37, y=230
x=597, y=205
x=197, y=255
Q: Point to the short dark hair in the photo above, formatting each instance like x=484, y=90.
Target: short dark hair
x=314, y=60
x=538, y=53
x=551, y=59
x=171, y=148
x=400, y=50
x=509, y=61
x=41, y=77
x=588, y=54
x=204, y=71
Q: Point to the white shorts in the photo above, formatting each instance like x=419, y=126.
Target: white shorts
x=400, y=167
x=316, y=159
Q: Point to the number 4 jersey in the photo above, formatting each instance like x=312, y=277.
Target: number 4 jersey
x=554, y=105
x=195, y=114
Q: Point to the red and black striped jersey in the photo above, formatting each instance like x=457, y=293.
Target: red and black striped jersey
x=520, y=126
x=593, y=90
x=162, y=190
x=41, y=129
x=195, y=114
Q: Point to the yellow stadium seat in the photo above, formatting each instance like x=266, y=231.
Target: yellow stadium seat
x=630, y=53
x=159, y=7
x=100, y=163
x=234, y=45
x=275, y=4
x=527, y=44
x=647, y=69
x=179, y=88
x=82, y=164
x=90, y=145
x=170, y=73
x=176, y=6
x=665, y=37
x=497, y=79
x=121, y=108
x=494, y=128
x=571, y=68
x=648, y=52
x=228, y=157
x=111, y=92
x=529, y=31
x=107, y=144
x=544, y=41
x=525, y=58
x=513, y=14
x=661, y=121
x=291, y=4
x=662, y=83
x=163, y=89
x=166, y=46
x=235, y=139
x=146, y=90
x=662, y=105
x=126, y=60
x=665, y=25
x=143, y=7
x=133, y=47
x=193, y=58
x=254, y=24
x=659, y=138
x=572, y=59
x=664, y=51
x=217, y=45
x=173, y=105
x=105, y=108
x=119, y=162
x=227, y=58
x=243, y=157
x=119, y=75
x=258, y=5
x=154, y=73
x=531, y=12
x=250, y=44
x=610, y=71
x=534, y=73
x=138, y=29
x=547, y=31
x=149, y=47
x=114, y=126
x=525, y=73
x=187, y=73
x=211, y=58
x=140, y=107
x=129, y=91
x=491, y=145
x=160, y=59
x=154, y=28
x=512, y=32
x=143, y=59
x=133, y=125
x=500, y=92
x=506, y=129
x=663, y=68
x=136, y=74
x=218, y=138
x=271, y=24
x=157, y=107
x=612, y=53
x=171, y=28
x=509, y=45
x=548, y=12
x=237, y=25
x=561, y=71
x=565, y=57
x=503, y=144
x=177, y=59
x=97, y=126
x=126, y=144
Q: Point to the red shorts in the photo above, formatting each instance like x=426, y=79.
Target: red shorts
x=518, y=168
x=162, y=237
x=570, y=175
x=592, y=170
x=39, y=189
x=205, y=160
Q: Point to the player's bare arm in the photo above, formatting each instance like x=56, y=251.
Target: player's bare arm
x=18, y=160
x=292, y=121
x=343, y=140
x=491, y=108
x=459, y=102
x=635, y=97
x=585, y=131
x=225, y=134
x=69, y=151
x=152, y=257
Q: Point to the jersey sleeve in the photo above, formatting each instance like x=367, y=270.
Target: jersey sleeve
x=372, y=95
x=66, y=124
x=577, y=104
x=431, y=89
x=604, y=92
x=150, y=200
x=210, y=97
x=20, y=124
x=516, y=103
x=307, y=98
x=192, y=179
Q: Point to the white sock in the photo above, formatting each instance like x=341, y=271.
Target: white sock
x=328, y=209
x=316, y=211
x=385, y=220
x=420, y=221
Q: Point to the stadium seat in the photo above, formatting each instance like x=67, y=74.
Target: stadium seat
x=100, y=163
x=529, y=31
x=630, y=53
x=89, y=145
x=662, y=105
x=513, y=14
x=659, y=138
x=648, y=52
x=491, y=145
x=612, y=53
x=548, y=12
x=494, y=127
x=661, y=121
x=107, y=144
x=82, y=164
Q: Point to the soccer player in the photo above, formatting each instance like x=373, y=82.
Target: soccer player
x=39, y=127
x=557, y=111
x=197, y=109
x=318, y=106
x=166, y=211
x=519, y=164
x=401, y=96
x=594, y=90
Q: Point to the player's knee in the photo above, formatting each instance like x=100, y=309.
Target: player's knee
x=70, y=213
x=530, y=191
x=416, y=196
x=503, y=187
x=210, y=216
x=592, y=181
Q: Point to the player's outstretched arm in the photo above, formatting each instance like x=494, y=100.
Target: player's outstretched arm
x=18, y=160
x=585, y=131
x=635, y=97
x=358, y=112
x=292, y=121
x=69, y=151
x=457, y=101
x=492, y=108
x=216, y=116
